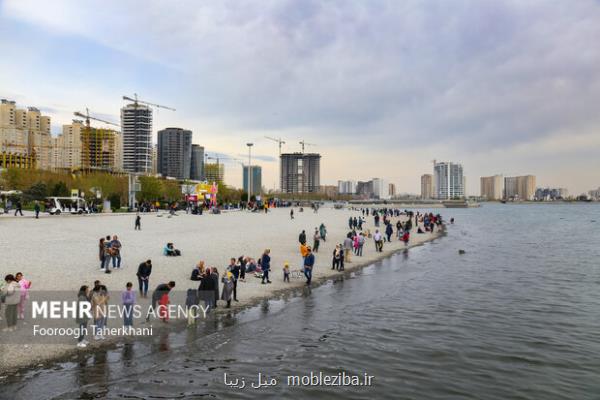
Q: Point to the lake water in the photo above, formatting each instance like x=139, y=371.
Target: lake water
x=516, y=317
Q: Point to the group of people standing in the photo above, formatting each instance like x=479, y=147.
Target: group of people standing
x=14, y=293
x=109, y=249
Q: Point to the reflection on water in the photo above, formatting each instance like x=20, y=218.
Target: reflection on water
x=515, y=317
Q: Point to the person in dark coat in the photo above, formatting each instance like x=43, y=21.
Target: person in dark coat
x=206, y=290
x=302, y=238
x=214, y=276
x=265, y=265
x=143, y=275
x=389, y=231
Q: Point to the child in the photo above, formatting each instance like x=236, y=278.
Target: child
x=286, y=272
x=128, y=298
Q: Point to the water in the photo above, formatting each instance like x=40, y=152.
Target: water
x=516, y=317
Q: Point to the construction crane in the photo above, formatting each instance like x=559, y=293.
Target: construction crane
x=303, y=143
x=137, y=101
x=279, y=141
x=87, y=118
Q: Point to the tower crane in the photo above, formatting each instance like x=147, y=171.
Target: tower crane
x=87, y=118
x=303, y=143
x=279, y=141
x=137, y=101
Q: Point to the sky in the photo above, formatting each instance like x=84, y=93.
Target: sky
x=381, y=88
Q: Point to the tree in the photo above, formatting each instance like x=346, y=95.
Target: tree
x=151, y=188
x=60, y=189
x=37, y=191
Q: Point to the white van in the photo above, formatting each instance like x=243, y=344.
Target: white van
x=73, y=205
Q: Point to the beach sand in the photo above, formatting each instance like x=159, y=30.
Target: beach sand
x=61, y=253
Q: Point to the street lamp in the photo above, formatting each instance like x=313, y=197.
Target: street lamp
x=249, y=169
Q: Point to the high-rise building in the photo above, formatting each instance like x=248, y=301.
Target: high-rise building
x=175, y=153
x=392, y=189
x=426, y=186
x=136, y=122
x=214, y=172
x=526, y=186
x=25, y=133
x=448, y=180
x=519, y=187
x=364, y=189
x=346, y=187
x=256, y=179
x=300, y=172
x=492, y=187
x=197, y=168
x=380, y=188
x=68, y=147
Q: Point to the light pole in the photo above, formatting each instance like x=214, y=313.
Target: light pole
x=249, y=169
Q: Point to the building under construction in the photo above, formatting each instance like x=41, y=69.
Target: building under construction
x=300, y=172
x=101, y=149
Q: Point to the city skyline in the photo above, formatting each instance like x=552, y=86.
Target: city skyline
x=502, y=88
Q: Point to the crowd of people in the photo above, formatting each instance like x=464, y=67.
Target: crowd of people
x=215, y=286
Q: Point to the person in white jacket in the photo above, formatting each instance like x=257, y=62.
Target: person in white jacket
x=12, y=296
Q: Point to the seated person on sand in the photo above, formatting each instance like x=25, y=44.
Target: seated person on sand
x=420, y=230
x=251, y=265
x=169, y=250
x=198, y=272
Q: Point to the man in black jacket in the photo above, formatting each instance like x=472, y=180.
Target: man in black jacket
x=143, y=275
x=302, y=237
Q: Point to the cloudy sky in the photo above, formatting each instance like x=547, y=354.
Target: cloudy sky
x=381, y=87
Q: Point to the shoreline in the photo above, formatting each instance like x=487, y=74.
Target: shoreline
x=47, y=355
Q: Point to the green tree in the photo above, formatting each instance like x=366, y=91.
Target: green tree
x=37, y=191
x=60, y=189
x=151, y=189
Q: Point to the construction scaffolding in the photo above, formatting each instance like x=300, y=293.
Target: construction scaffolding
x=16, y=160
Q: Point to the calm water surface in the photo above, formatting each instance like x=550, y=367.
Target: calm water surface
x=516, y=317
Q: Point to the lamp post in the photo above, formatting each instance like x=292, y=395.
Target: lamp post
x=249, y=169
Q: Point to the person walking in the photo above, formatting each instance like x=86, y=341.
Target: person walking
x=83, y=301
x=265, y=264
x=128, y=299
x=36, y=208
x=309, y=262
x=323, y=232
x=292, y=213
x=99, y=302
x=286, y=272
x=378, y=241
x=143, y=275
x=115, y=252
x=12, y=296
x=19, y=208
x=389, y=230
x=138, y=222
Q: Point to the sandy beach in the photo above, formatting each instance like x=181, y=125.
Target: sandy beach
x=60, y=254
